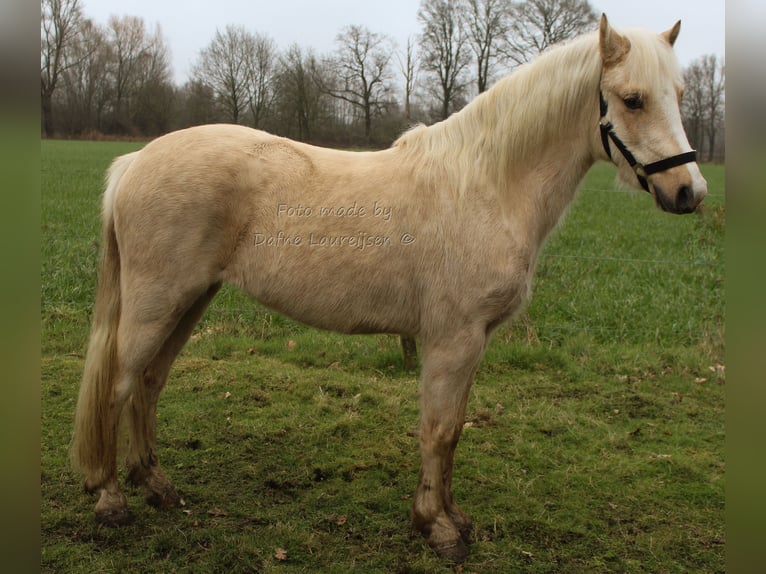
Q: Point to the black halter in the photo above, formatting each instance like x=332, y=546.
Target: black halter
x=642, y=171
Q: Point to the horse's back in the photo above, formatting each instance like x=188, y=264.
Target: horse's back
x=321, y=235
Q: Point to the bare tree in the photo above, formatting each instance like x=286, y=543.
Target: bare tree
x=363, y=72
x=445, y=51
x=225, y=66
x=537, y=24
x=126, y=36
x=703, y=103
x=260, y=76
x=86, y=82
x=116, y=78
x=154, y=97
x=715, y=75
x=139, y=61
x=239, y=66
x=408, y=66
x=196, y=104
x=693, y=105
x=59, y=22
x=487, y=22
x=299, y=92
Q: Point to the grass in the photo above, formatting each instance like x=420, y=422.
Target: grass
x=593, y=441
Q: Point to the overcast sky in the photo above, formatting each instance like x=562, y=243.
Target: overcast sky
x=189, y=26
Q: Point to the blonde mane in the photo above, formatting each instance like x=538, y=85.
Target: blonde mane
x=539, y=102
x=509, y=122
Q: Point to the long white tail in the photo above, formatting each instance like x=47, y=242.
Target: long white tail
x=94, y=443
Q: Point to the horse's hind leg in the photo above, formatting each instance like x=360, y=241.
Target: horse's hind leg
x=142, y=461
x=150, y=315
x=449, y=365
x=136, y=345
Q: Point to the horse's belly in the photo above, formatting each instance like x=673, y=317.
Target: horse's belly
x=345, y=287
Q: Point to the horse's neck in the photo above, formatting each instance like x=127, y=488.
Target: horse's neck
x=523, y=145
x=540, y=193
x=542, y=107
x=546, y=135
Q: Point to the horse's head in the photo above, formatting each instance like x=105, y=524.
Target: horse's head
x=641, y=128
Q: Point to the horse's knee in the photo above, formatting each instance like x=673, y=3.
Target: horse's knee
x=439, y=438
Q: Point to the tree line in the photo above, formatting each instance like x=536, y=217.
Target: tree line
x=116, y=79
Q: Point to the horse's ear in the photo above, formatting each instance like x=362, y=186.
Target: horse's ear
x=613, y=46
x=671, y=35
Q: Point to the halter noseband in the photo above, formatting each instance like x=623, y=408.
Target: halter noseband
x=642, y=171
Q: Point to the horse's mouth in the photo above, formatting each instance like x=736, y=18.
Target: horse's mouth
x=660, y=199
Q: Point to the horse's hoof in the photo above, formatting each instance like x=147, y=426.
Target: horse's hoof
x=456, y=551
x=167, y=498
x=114, y=518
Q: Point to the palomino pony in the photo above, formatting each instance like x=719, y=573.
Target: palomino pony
x=436, y=237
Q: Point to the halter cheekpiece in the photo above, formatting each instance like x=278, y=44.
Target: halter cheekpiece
x=642, y=171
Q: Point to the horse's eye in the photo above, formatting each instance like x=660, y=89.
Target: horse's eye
x=633, y=102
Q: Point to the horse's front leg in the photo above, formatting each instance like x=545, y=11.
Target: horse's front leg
x=449, y=365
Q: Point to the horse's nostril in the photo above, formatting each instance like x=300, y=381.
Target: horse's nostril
x=684, y=198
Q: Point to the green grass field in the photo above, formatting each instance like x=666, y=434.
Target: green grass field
x=593, y=442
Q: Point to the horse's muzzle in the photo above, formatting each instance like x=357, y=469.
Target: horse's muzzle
x=685, y=199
